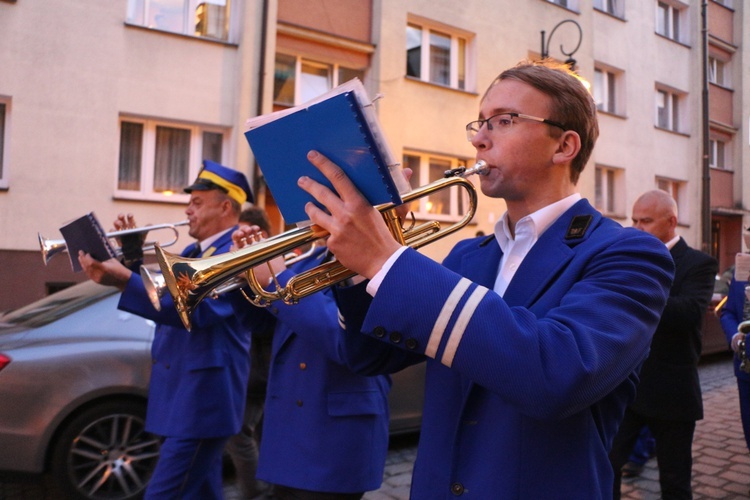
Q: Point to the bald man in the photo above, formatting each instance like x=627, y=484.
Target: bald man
x=668, y=397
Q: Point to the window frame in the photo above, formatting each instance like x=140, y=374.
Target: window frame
x=566, y=4
x=612, y=85
x=138, y=12
x=718, y=154
x=421, y=176
x=674, y=22
x=615, y=8
x=718, y=71
x=674, y=109
x=148, y=151
x=335, y=73
x=677, y=189
x=609, y=196
x=461, y=58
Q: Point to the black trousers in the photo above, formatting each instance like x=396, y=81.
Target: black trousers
x=674, y=442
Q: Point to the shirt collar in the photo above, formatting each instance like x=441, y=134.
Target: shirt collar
x=671, y=243
x=204, y=244
x=538, y=221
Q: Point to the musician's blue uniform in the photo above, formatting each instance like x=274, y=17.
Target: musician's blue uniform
x=325, y=429
x=732, y=315
x=524, y=393
x=198, y=381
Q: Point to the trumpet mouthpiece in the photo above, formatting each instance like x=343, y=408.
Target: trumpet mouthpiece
x=479, y=168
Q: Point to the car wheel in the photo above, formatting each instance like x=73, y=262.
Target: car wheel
x=104, y=453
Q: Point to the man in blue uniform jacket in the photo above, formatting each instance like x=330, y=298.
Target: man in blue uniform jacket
x=198, y=378
x=325, y=427
x=734, y=312
x=534, y=336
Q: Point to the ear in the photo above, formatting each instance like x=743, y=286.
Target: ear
x=568, y=146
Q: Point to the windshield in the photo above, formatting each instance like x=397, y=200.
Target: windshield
x=56, y=306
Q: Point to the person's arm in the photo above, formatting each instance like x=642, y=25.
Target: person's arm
x=733, y=312
x=585, y=335
x=686, y=307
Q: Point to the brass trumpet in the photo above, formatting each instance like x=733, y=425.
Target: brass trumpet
x=190, y=280
x=51, y=248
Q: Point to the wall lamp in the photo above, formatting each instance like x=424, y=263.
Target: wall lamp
x=545, y=43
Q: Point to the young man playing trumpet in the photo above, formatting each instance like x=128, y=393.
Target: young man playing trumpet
x=533, y=337
x=198, y=378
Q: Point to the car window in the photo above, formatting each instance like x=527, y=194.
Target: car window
x=56, y=306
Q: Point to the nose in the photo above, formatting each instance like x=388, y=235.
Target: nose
x=481, y=138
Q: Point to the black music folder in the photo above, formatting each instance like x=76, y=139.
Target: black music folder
x=85, y=233
x=340, y=124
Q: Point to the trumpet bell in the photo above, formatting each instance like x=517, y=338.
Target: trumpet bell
x=155, y=285
x=50, y=248
x=190, y=280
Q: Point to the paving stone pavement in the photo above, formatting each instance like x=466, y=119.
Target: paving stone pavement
x=721, y=462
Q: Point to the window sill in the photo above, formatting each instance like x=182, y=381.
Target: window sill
x=687, y=46
x=610, y=14
x=612, y=114
x=683, y=134
x=439, y=86
x=178, y=199
x=181, y=35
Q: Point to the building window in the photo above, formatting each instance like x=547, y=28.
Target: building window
x=716, y=71
x=668, y=20
x=605, y=90
x=437, y=55
x=3, y=141
x=446, y=204
x=203, y=18
x=158, y=159
x=717, y=154
x=676, y=190
x=668, y=110
x=298, y=80
x=608, y=190
x=568, y=4
x=613, y=7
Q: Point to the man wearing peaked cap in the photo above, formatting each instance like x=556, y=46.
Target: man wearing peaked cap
x=198, y=378
x=215, y=176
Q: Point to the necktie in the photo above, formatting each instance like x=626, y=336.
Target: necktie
x=195, y=252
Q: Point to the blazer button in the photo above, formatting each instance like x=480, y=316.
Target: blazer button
x=299, y=402
x=411, y=344
x=457, y=489
x=395, y=337
x=303, y=366
x=379, y=332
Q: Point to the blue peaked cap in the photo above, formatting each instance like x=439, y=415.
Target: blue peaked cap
x=215, y=176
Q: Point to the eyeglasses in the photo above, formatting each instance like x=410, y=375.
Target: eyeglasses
x=503, y=122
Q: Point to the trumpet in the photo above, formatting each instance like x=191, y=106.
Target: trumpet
x=50, y=248
x=190, y=280
x=156, y=285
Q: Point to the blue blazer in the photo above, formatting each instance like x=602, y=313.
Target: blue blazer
x=325, y=428
x=732, y=315
x=198, y=378
x=524, y=393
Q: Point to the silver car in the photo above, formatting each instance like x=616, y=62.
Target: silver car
x=74, y=374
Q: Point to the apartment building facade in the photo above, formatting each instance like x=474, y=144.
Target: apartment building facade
x=109, y=106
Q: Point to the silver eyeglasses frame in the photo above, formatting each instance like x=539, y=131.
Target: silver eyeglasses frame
x=472, y=128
